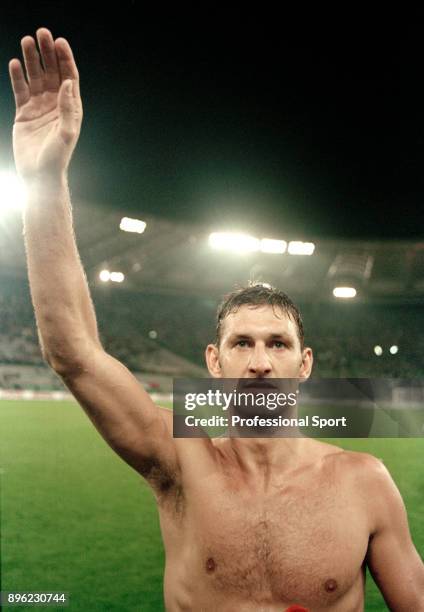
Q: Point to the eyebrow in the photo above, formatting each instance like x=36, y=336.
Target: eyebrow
x=286, y=336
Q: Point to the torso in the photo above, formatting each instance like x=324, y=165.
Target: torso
x=230, y=544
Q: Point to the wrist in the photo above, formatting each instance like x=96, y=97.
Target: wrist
x=46, y=183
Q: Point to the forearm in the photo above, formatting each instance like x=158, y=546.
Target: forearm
x=63, y=308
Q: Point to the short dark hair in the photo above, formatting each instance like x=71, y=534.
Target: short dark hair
x=258, y=294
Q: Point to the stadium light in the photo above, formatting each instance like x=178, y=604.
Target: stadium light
x=132, y=225
x=393, y=349
x=104, y=276
x=344, y=292
x=296, y=247
x=12, y=192
x=237, y=243
x=243, y=243
x=378, y=350
x=273, y=246
x=117, y=277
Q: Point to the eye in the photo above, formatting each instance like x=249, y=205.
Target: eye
x=242, y=343
x=278, y=344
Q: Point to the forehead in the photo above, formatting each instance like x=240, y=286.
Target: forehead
x=260, y=320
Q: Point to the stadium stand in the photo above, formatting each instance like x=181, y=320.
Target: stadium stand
x=161, y=318
x=22, y=365
x=165, y=337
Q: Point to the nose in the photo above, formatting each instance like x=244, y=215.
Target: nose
x=259, y=363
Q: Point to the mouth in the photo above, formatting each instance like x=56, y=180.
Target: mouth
x=259, y=385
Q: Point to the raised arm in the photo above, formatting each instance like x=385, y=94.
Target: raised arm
x=46, y=129
x=45, y=133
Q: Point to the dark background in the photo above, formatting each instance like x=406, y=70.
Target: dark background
x=298, y=122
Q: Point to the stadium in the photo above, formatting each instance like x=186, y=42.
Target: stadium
x=73, y=517
x=71, y=467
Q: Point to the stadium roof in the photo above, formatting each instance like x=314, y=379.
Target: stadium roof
x=175, y=258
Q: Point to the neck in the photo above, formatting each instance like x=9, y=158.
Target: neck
x=258, y=456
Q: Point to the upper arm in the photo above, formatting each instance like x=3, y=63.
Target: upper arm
x=125, y=415
x=392, y=558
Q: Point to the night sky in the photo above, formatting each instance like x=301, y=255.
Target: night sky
x=305, y=124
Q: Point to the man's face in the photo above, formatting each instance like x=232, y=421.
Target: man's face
x=259, y=342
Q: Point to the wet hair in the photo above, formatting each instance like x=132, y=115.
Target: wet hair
x=255, y=295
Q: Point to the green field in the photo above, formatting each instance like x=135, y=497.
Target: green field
x=75, y=518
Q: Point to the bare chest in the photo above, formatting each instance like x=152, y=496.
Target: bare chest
x=296, y=541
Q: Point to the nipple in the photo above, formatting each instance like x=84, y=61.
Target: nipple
x=210, y=565
x=330, y=585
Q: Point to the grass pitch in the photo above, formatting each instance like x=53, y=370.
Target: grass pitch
x=75, y=518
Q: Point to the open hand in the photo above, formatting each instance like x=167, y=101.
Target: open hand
x=48, y=120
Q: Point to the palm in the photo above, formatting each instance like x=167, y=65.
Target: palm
x=35, y=133
x=45, y=131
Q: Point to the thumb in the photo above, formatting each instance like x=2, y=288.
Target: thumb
x=67, y=108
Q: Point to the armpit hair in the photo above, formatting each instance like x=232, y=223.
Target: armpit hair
x=163, y=480
x=157, y=474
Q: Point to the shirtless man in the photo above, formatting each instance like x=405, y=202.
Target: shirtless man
x=248, y=524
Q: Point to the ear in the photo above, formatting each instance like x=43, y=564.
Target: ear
x=212, y=360
x=306, y=367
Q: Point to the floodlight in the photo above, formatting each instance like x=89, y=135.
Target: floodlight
x=344, y=292
x=104, y=276
x=13, y=192
x=116, y=277
x=237, y=243
x=393, y=349
x=273, y=246
x=378, y=350
x=132, y=225
x=296, y=247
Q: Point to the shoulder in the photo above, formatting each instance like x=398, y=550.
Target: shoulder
x=371, y=485
x=367, y=469
x=363, y=469
x=353, y=462
x=374, y=484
